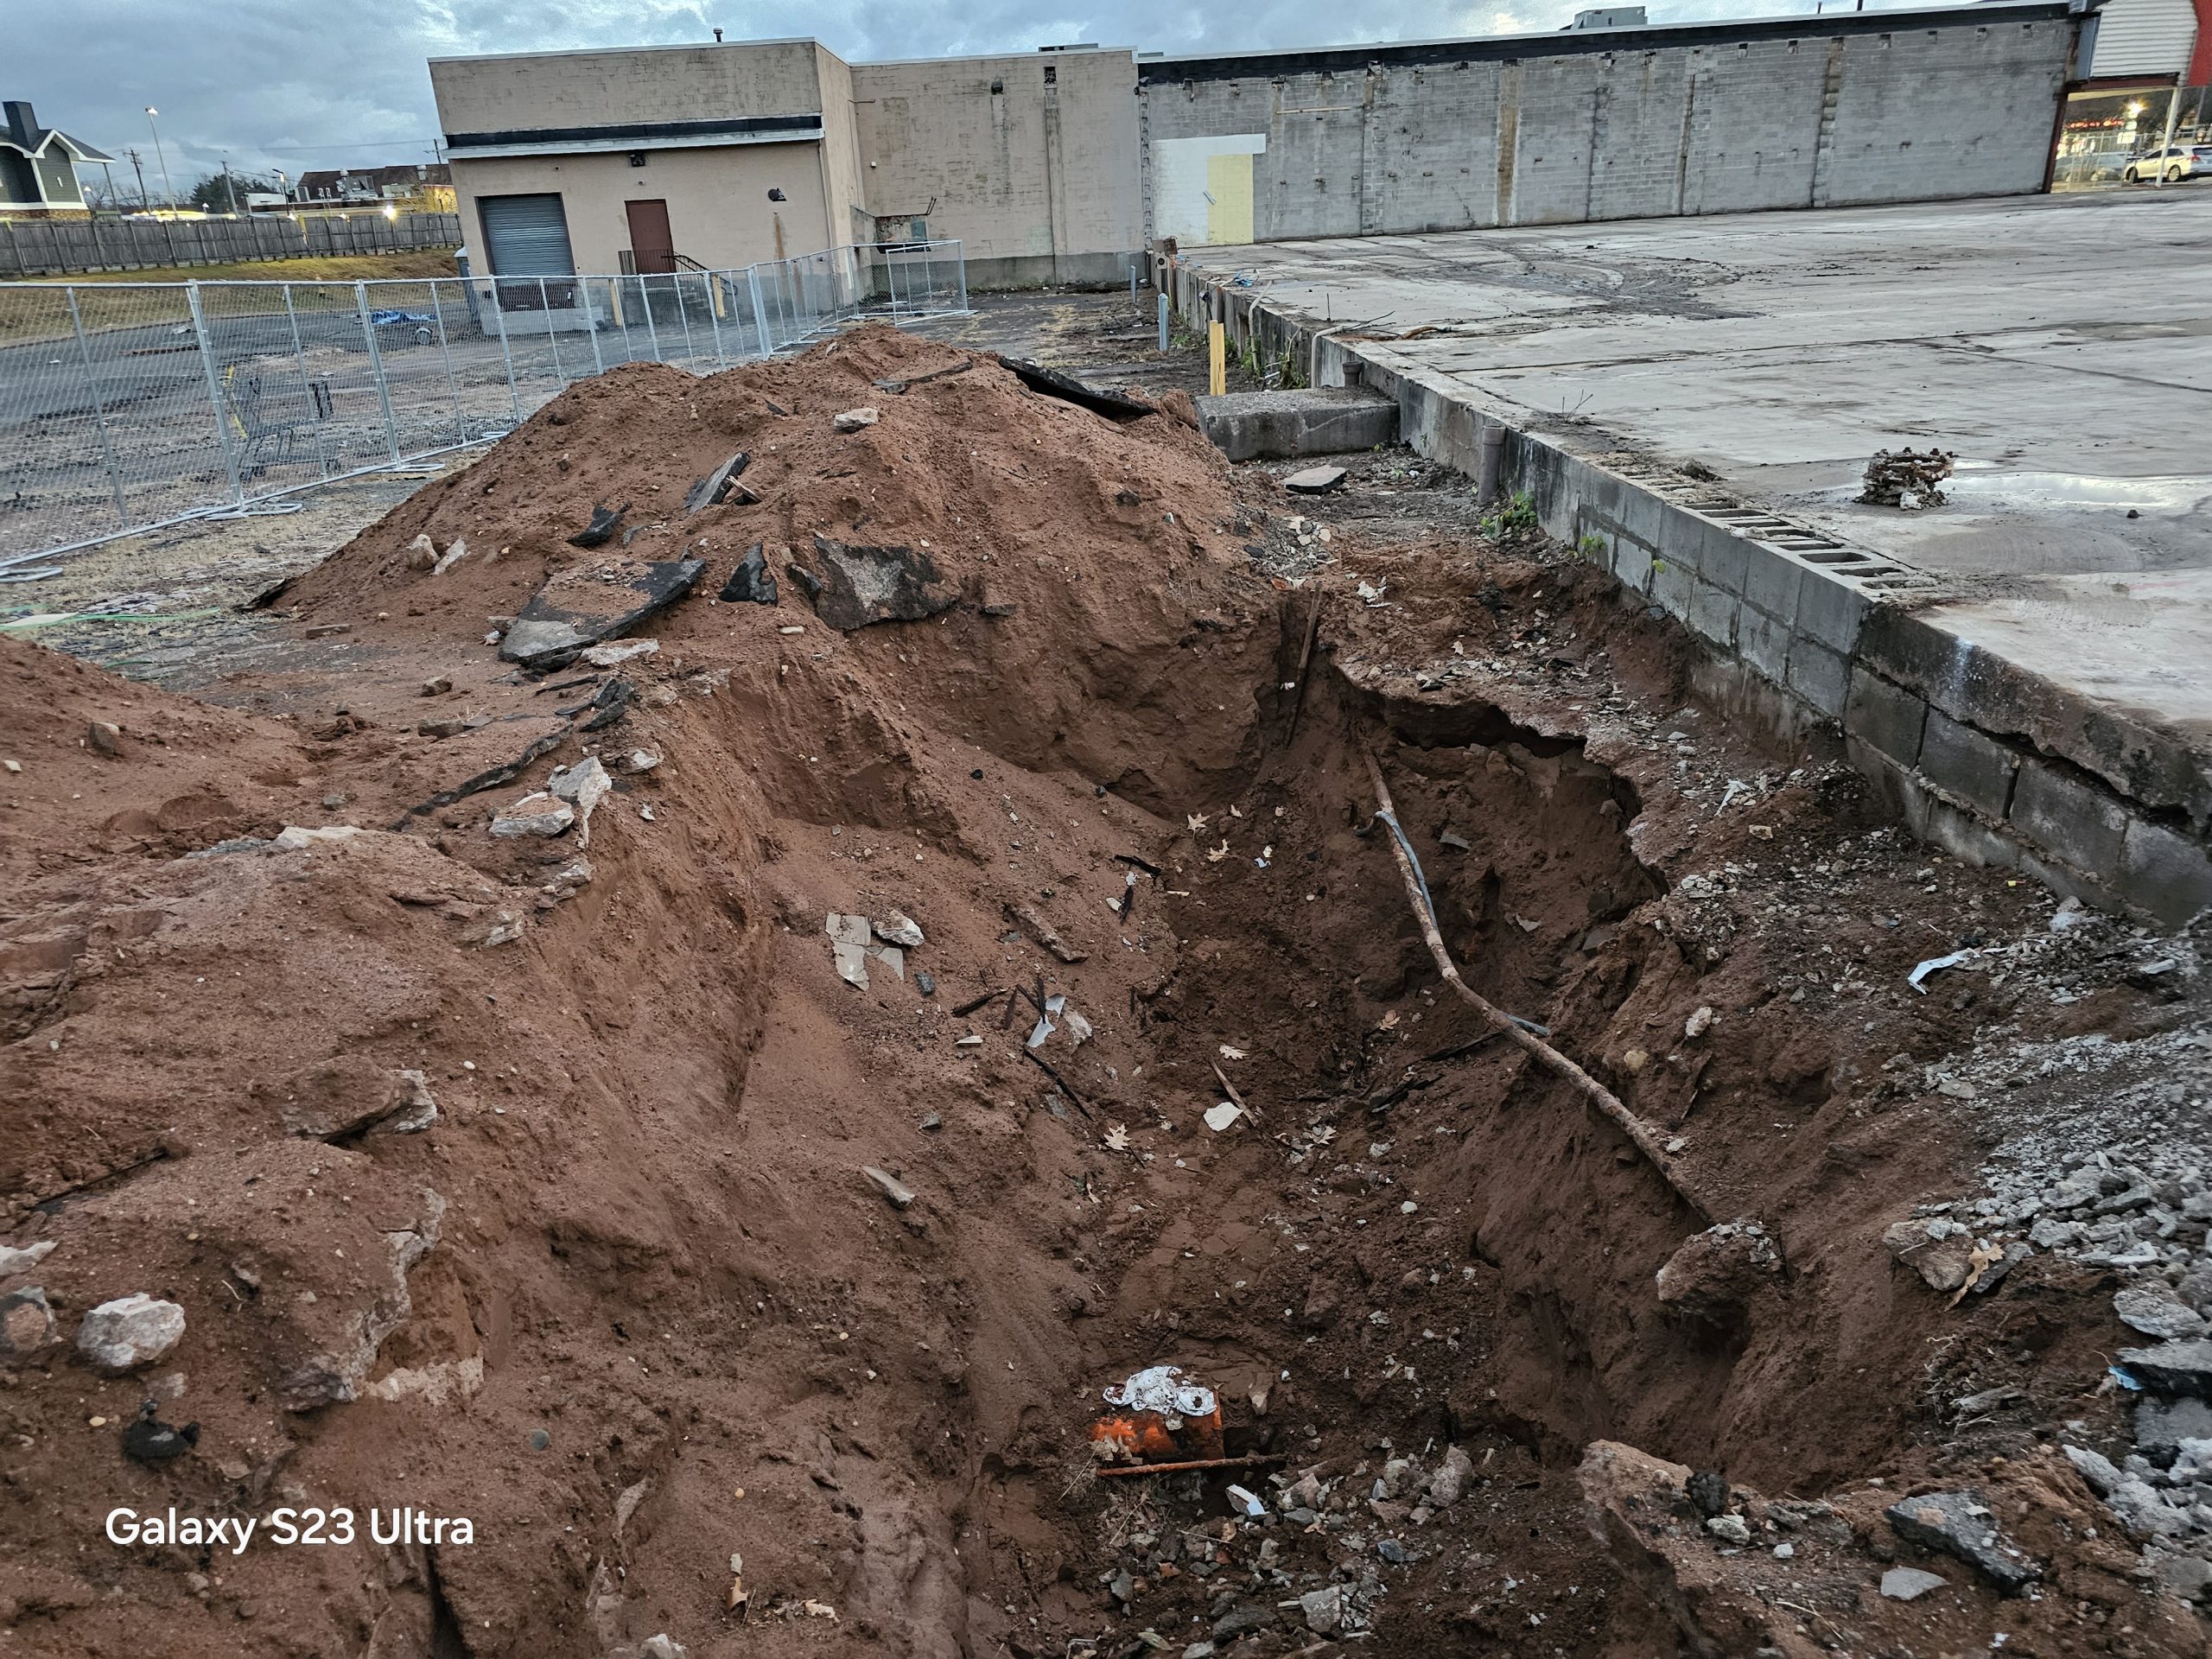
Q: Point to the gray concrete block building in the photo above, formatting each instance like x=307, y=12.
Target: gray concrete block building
x=1063, y=164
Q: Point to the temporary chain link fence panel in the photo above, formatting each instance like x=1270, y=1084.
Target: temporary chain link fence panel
x=127, y=406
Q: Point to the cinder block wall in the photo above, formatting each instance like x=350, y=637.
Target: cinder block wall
x=1622, y=124
x=1977, y=754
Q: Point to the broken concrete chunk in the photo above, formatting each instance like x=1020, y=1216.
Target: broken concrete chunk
x=604, y=523
x=891, y=956
x=1324, y=1608
x=2157, y=1311
x=452, y=726
x=848, y=943
x=1315, y=480
x=454, y=553
x=2173, y=1368
x=583, y=786
x=609, y=656
x=899, y=929
x=1729, y=1529
x=578, y=607
x=538, y=814
x=293, y=839
x=1962, y=1524
x=1910, y=1583
x=853, y=420
x=718, y=485
x=130, y=1332
x=1037, y=928
x=13, y=1261
x=751, y=580
x=889, y=1185
x=26, y=1321
x=856, y=586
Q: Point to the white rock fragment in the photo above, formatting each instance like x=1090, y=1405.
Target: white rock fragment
x=854, y=419
x=13, y=1261
x=848, y=943
x=538, y=814
x=1910, y=1583
x=899, y=929
x=1220, y=1117
x=293, y=839
x=615, y=651
x=583, y=786
x=454, y=553
x=130, y=1332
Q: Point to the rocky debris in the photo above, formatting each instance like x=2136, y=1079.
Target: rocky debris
x=898, y=928
x=582, y=786
x=621, y=652
x=13, y=1261
x=605, y=521
x=1449, y=1482
x=720, y=485
x=2156, y=1310
x=293, y=838
x=1315, y=480
x=900, y=1195
x=1715, y=1274
x=1910, y=1583
x=586, y=604
x=1904, y=478
x=1729, y=1529
x=1961, y=1524
x=751, y=581
x=443, y=728
x=2172, y=1368
x=437, y=686
x=1025, y=918
x=539, y=813
x=1099, y=400
x=348, y=1094
x=858, y=586
x=26, y=1322
x=421, y=553
x=663, y=1646
x=1945, y=1253
x=456, y=550
x=851, y=940
x=855, y=420
x=130, y=1332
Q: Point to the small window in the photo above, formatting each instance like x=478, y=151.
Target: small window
x=1051, y=74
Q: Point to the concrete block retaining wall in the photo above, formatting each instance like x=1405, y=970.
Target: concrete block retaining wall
x=1977, y=754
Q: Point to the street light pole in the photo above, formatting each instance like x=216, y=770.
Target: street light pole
x=162, y=156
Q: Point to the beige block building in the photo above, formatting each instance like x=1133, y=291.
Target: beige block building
x=656, y=158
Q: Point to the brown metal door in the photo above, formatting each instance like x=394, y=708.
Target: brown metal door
x=651, y=247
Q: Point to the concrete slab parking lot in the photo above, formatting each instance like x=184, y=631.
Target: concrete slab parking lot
x=2062, y=346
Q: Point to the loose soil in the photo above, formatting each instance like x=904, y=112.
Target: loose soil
x=630, y=1305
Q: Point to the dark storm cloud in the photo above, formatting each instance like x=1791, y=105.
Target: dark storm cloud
x=301, y=84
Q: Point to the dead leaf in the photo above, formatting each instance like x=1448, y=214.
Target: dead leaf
x=1229, y=1053
x=1116, y=1138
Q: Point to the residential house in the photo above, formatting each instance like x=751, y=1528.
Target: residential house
x=38, y=165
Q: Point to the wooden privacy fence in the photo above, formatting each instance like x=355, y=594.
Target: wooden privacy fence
x=54, y=247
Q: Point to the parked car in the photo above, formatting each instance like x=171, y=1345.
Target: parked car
x=2176, y=161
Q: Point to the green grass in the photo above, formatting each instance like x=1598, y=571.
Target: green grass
x=29, y=314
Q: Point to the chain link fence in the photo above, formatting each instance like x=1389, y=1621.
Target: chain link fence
x=129, y=406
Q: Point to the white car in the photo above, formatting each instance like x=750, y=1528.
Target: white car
x=2176, y=163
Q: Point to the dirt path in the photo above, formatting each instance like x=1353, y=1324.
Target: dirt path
x=630, y=1304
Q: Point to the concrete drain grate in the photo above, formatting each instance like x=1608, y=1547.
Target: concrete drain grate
x=1775, y=533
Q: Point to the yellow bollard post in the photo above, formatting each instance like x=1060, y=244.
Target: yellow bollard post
x=1217, y=358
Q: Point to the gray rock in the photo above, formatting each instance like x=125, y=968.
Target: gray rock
x=2173, y=1368
x=1960, y=1525
x=1910, y=1583
x=1242, y=1619
x=2096, y=1469
x=1314, y=481
x=130, y=1332
x=925, y=982
x=13, y=1261
x=2155, y=1312
x=1199, y=1650
x=1450, y=1480
x=853, y=420
x=26, y=1321
x=548, y=632
x=538, y=814
x=1941, y=1254
x=660, y=1647
x=899, y=929
x=1324, y=1608
x=1730, y=1528
x=856, y=586
x=900, y=1195
x=2162, y=1425
x=2187, y=1576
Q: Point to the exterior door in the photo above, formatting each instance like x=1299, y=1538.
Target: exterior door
x=651, y=248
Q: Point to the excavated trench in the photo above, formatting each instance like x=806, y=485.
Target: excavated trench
x=631, y=1305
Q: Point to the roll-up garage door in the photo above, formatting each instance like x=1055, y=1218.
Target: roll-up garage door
x=2143, y=37
x=526, y=236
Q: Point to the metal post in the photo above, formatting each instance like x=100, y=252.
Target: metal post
x=707, y=280
x=1489, y=462
x=552, y=339
x=591, y=326
x=300, y=360
x=1163, y=320
x=99, y=413
x=1133, y=282
x=759, y=310
x=376, y=368
x=683, y=313
x=445, y=352
x=215, y=391
x=645, y=304
x=506, y=352
x=960, y=264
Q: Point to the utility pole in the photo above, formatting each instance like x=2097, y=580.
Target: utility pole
x=139, y=166
x=160, y=156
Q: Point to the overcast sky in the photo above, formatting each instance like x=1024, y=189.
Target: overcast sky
x=304, y=84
